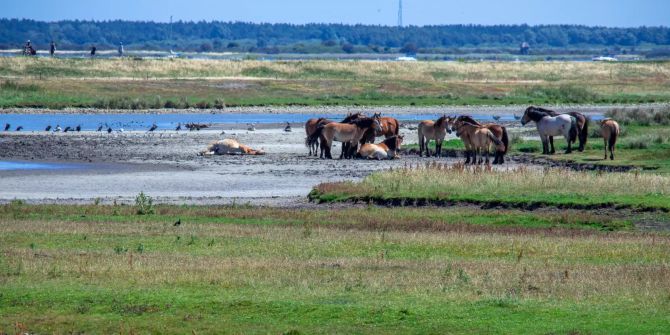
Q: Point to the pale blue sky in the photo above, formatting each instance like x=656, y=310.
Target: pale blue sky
x=619, y=13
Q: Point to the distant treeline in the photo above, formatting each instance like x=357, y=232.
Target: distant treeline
x=241, y=36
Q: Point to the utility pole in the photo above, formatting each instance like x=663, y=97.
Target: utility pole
x=400, y=13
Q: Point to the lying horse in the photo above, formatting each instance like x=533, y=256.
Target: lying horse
x=550, y=126
x=477, y=140
x=229, y=147
x=388, y=149
x=496, y=129
x=609, y=129
x=582, y=125
x=433, y=130
x=343, y=132
x=310, y=128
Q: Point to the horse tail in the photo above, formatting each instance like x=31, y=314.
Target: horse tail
x=574, y=130
x=314, y=138
x=613, y=136
x=493, y=137
x=397, y=127
x=584, y=135
x=505, y=139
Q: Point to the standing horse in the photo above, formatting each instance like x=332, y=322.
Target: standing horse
x=609, y=129
x=550, y=126
x=343, y=132
x=496, y=129
x=390, y=126
x=388, y=149
x=582, y=125
x=310, y=128
x=433, y=130
x=477, y=140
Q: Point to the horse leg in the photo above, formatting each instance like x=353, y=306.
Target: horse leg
x=605, y=140
x=551, y=142
x=421, y=145
x=569, y=145
x=545, y=145
x=611, y=151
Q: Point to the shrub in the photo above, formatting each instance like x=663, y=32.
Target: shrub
x=144, y=204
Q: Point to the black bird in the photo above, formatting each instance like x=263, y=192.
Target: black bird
x=287, y=128
x=7, y=126
x=178, y=127
x=19, y=128
x=78, y=129
x=109, y=130
x=153, y=127
x=496, y=117
x=178, y=223
x=47, y=128
x=100, y=128
x=67, y=129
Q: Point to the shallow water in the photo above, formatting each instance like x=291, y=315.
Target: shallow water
x=18, y=165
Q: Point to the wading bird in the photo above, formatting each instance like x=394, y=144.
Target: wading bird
x=287, y=128
x=47, y=128
x=153, y=127
x=78, y=129
x=251, y=127
x=7, y=126
x=178, y=127
x=19, y=128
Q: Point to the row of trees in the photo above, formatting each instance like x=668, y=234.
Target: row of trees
x=181, y=35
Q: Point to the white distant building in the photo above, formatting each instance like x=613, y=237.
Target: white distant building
x=604, y=59
x=406, y=59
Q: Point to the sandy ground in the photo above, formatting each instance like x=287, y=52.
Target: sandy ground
x=166, y=166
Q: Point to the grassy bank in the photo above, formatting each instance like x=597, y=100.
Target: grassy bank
x=248, y=270
x=519, y=187
x=179, y=83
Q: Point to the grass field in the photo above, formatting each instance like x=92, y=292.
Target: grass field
x=74, y=269
x=156, y=83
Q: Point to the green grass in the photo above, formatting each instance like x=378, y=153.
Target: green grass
x=103, y=269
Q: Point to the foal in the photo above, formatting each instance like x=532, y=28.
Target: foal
x=477, y=140
x=388, y=149
x=609, y=129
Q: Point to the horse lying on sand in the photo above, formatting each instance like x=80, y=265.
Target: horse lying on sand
x=433, y=130
x=229, y=147
x=477, y=140
x=499, y=131
x=388, y=149
x=582, y=125
x=610, y=130
x=550, y=126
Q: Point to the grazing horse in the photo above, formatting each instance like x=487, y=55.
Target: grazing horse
x=582, y=125
x=478, y=140
x=496, y=129
x=550, y=126
x=343, y=132
x=310, y=128
x=433, y=130
x=609, y=129
x=388, y=149
x=229, y=147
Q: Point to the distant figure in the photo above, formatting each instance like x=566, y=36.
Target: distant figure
x=287, y=128
x=251, y=127
x=120, y=49
x=52, y=48
x=177, y=223
x=67, y=129
x=100, y=128
x=28, y=49
x=178, y=127
x=496, y=117
x=47, y=128
x=109, y=130
x=93, y=50
x=524, y=49
x=19, y=128
x=78, y=129
x=7, y=126
x=153, y=127
x=58, y=128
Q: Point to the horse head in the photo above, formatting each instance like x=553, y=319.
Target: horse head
x=526, y=115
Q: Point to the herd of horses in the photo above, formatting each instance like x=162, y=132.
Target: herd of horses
x=358, y=132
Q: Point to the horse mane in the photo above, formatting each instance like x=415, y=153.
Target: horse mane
x=391, y=142
x=470, y=124
x=534, y=114
x=353, y=117
x=542, y=110
x=469, y=119
x=364, y=122
x=440, y=121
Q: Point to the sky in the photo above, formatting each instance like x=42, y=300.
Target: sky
x=612, y=13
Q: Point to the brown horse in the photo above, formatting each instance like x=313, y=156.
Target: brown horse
x=310, y=128
x=345, y=133
x=609, y=129
x=390, y=126
x=499, y=131
x=433, y=130
x=388, y=149
x=582, y=125
x=477, y=139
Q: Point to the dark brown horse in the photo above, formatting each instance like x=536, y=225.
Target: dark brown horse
x=582, y=125
x=499, y=131
x=310, y=127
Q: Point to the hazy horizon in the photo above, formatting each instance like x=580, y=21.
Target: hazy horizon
x=612, y=13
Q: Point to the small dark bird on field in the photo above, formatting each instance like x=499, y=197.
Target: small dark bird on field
x=178, y=127
x=19, y=128
x=78, y=129
x=153, y=127
x=47, y=128
x=7, y=126
x=178, y=223
x=100, y=128
x=496, y=117
x=109, y=130
x=287, y=128
x=67, y=129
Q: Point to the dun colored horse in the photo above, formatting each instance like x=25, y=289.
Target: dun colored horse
x=550, y=126
x=345, y=133
x=609, y=129
x=433, y=130
x=388, y=149
x=477, y=140
x=582, y=125
x=499, y=131
x=229, y=147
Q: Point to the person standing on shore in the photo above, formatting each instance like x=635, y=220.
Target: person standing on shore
x=93, y=49
x=52, y=48
x=121, y=49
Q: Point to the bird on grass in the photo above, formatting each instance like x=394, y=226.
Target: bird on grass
x=177, y=223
